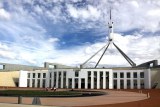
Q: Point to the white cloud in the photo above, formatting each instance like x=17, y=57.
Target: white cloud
x=138, y=48
x=31, y=46
x=38, y=9
x=135, y=4
x=89, y=13
x=52, y=40
x=4, y=14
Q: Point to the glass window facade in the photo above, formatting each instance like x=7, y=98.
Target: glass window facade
x=28, y=75
x=114, y=75
x=77, y=74
x=44, y=75
x=141, y=74
x=128, y=75
x=135, y=75
x=121, y=75
x=34, y=75
x=39, y=75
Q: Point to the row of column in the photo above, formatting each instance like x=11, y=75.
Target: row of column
x=33, y=82
x=138, y=79
x=110, y=86
x=52, y=82
x=36, y=81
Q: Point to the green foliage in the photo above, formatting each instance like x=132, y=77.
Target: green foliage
x=36, y=93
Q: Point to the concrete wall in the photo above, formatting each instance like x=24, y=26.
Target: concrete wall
x=23, y=79
x=155, y=77
x=17, y=67
x=9, y=79
x=146, y=78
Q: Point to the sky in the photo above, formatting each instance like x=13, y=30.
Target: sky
x=70, y=31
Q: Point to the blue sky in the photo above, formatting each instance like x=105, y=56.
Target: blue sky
x=70, y=31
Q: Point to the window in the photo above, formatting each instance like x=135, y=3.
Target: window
x=43, y=83
x=59, y=74
x=50, y=74
x=101, y=74
x=59, y=80
x=64, y=80
x=115, y=84
x=135, y=83
x=121, y=75
x=55, y=73
x=115, y=75
x=39, y=75
x=28, y=75
x=44, y=75
x=142, y=83
x=128, y=84
x=38, y=83
x=28, y=82
x=64, y=74
x=2, y=66
x=128, y=75
x=142, y=74
x=76, y=73
x=121, y=84
x=135, y=75
x=107, y=74
x=34, y=75
x=89, y=73
x=95, y=74
x=33, y=83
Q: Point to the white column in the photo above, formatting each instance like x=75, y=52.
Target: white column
x=138, y=80
x=104, y=80
x=67, y=80
x=147, y=79
x=41, y=74
x=52, y=79
x=132, y=86
x=31, y=74
x=23, y=78
x=31, y=82
x=125, y=80
x=62, y=79
x=36, y=77
x=98, y=79
x=73, y=83
x=79, y=83
x=118, y=80
x=110, y=79
x=57, y=76
x=86, y=81
x=47, y=79
x=92, y=80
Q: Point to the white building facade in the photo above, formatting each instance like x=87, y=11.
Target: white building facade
x=87, y=78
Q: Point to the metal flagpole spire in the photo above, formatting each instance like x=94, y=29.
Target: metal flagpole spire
x=110, y=26
x=110, y=42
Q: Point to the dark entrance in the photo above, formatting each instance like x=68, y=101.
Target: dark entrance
x=82, y=83
x=76, y=83
x=69, y=82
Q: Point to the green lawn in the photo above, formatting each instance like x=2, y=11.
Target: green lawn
x=37, y=93
x=42, y=93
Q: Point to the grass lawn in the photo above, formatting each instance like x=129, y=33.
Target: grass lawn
x=37, y=93
x=42, y=93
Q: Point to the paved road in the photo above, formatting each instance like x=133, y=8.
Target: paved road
x=21, y=105
x=112, y=97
